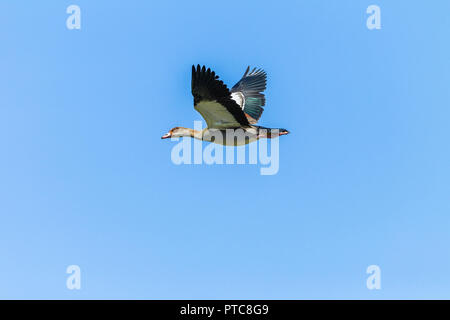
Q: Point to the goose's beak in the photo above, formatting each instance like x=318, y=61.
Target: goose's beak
x=167, y=135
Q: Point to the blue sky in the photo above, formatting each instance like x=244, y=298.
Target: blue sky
x=85, y=178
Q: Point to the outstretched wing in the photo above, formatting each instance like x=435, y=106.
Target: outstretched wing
x=248, y=93
x=213, y=101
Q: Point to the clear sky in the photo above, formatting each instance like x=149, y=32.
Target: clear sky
x=86, y=180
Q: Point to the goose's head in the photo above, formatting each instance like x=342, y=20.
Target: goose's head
x=177, y=132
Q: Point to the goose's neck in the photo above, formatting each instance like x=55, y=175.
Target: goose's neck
x=196, y=134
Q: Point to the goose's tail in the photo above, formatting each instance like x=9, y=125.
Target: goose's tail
x=271, y=133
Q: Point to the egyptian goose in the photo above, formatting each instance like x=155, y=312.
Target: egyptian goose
x=225, y=110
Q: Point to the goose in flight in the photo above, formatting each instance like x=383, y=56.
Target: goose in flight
x=230, y=115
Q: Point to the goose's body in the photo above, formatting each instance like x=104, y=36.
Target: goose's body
x=232, y=137
x=227, y=137
x=230, y=115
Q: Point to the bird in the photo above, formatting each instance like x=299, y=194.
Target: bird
x=230, y=115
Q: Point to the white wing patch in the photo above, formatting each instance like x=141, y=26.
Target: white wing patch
x=216, y=115
x=239, y=98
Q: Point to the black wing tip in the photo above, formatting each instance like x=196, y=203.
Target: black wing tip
x=254, y=71
x=246, y=72
x=201, y=69
x=203, y=77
